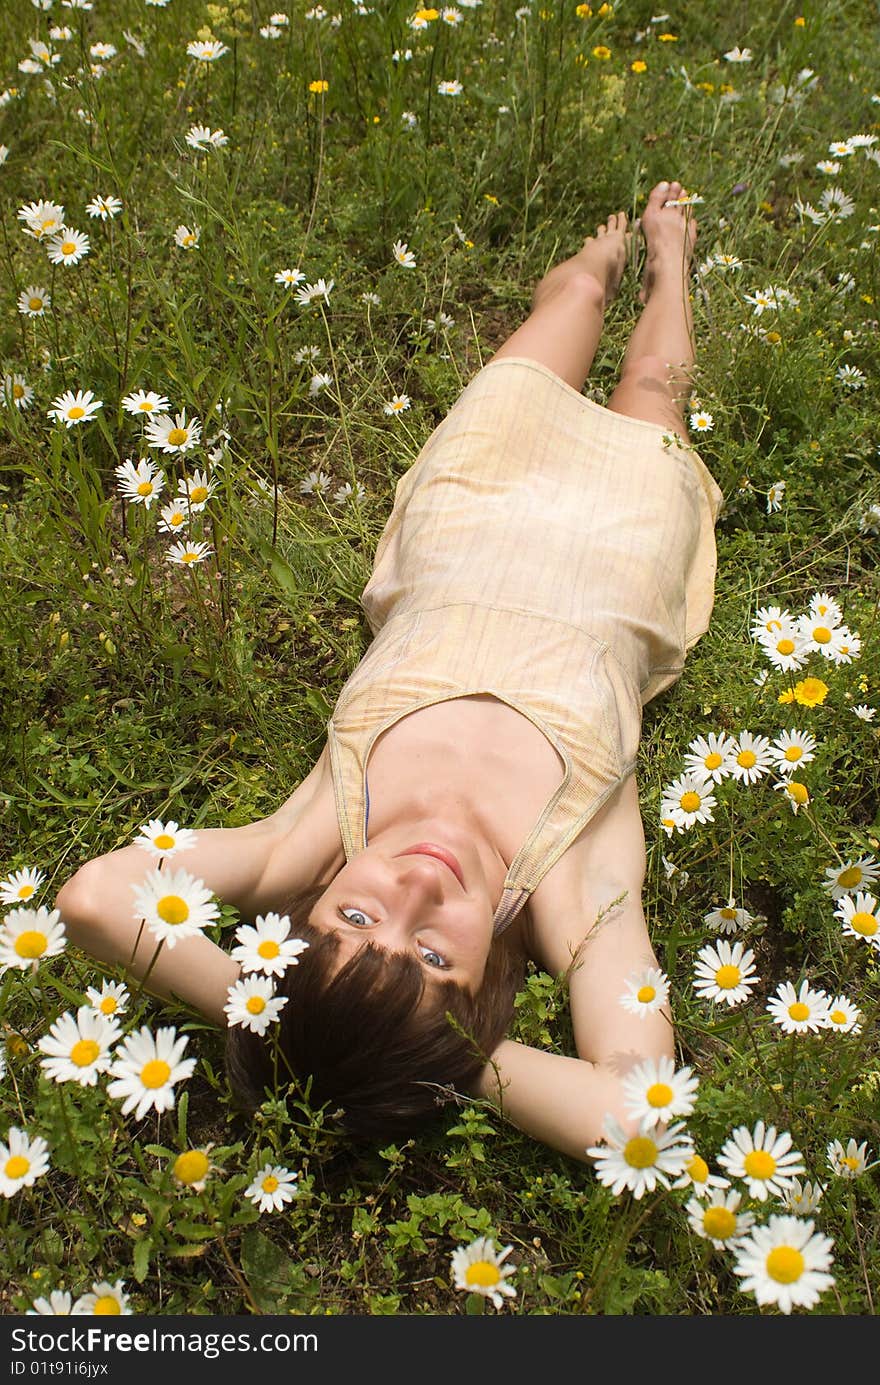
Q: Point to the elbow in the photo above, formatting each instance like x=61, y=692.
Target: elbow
x=79, y=899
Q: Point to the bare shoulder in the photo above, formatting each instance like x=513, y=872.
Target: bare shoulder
x=601, y=872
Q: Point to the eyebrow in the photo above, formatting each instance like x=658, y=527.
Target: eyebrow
x=437, y=974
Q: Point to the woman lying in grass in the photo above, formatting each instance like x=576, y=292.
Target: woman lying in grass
x=546, y=566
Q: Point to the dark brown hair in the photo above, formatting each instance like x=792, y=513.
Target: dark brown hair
x=373, y=1034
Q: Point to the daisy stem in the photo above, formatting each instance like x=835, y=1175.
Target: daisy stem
x=153, y=960
x=774, y=1095
x=616, y=1246
x=861, y=1249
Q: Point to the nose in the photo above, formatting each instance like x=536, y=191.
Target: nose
x=420, y=880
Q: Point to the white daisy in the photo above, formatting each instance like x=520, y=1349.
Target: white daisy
x=479, y=1269
x=173, y=518
x=689, y=796
x=195, y=491
x=453, y=88
x=848, y=1162
x=796, y=792
x=701, y=421
x=58, y=1304
x=320, y=289
x=105, y=1300
x=68, y=247
x=164, y=838
x=346, y=492
x=770, y=620
x=206, y=52
x=818, y=630
x=21, y=885
x=697, y=1175
x=203, y=137
x=784, y=1262
x=22, y=1161
x=315, y=481
x=186, y=554
x=272, y=1187
x=33, y=301
x=824, y=606
x=828, y=166
x=859, y=917
x=397, y=404
x=728, y=918
x=836, y=203
x=289, y=277
x=27, y=936
x=140, y=484
x=739, y=55
x=41, y=218
x=78, y=1047
x=710, y=756
x=725, y=972
x=191, y=1168
x=646, y=991
x=804, y=1011
x=751, y=758
x=173, y=435
x=843, y=1016
x=802, y=1198
x=793, y=748
x=763, y=1160
x=718, y=1218
x=864, y=712
x=112, y=999
x=187, y=237
x=654, y=1092
x=840, y=148
x=104, y=207
x=145, y=1069
x=786, y=648
x=174, y=905
x=403, y=255
x=851, y=876
x=639, y=1162
x=267, y=946
x=144, y=402
x=17, y=391
x=851, y=377
x=70, y=408
x=845, y=646
x=253, y=1004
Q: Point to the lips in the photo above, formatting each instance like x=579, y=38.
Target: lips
x=440, y=853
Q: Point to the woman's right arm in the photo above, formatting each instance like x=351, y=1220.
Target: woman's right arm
x=254, y=868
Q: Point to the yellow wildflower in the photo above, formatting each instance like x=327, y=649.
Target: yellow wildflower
x=638, y=66
x=600, y=51
x=810, y=692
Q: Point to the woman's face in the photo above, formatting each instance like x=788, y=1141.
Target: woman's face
x=413, y=903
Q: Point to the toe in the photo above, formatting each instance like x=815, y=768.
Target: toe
x=674, y=191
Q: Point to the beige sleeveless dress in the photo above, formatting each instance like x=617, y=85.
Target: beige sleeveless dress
x=547, y=551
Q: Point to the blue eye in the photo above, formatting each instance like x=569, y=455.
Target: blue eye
x=433, y=958
x=366, y=920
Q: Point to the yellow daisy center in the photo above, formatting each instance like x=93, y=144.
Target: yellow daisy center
x=35, y=304
x=75, y=411
x=107, y=1306
x=145, y=406
x=728, y=913
x=698, y=1169
x=25, y=891
x=155, y=1073
x=746, y=758
x=17, y=1166
x=69, y=247
x=17, y=391
x=191, y=1166
x=719, y=1223
x=177, y=436
x=84, y=1052
x=190, y=556
x=645, y=994
x=712, y=760
x=866, y=924
x=176, y=518
x=198, y=494
x=255, y=1005
x=30, y=943
x=850, y=877
x=482, y=1273
x=821, y=634
x=659, y=1094
x=850, y=1161
x=270, y=1183
x=785, y=1264
x=269, y=948
x=774, y=338
x=798, y=792
x=690, y=801
x=172, y=909
x=727, y=977
x=785, y=646
x=838, y=1017
x=108, y=1005
x=799, y=1011
x=793, y=752
x=163, y=842
x=640, y=1152
x=759, y=1164
x=145, y=488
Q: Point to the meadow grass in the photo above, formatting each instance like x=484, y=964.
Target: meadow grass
x=135, y=689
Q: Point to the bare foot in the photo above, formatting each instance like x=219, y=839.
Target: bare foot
x=670, y=233
x=603, y=256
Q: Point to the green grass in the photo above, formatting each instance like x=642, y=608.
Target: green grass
x=132, y=690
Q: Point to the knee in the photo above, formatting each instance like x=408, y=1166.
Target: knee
x=577, y=286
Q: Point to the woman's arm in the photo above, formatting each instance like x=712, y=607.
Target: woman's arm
x=253, y=868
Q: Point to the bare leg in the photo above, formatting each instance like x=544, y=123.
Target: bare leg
x=568, y=305
x=655, y=380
